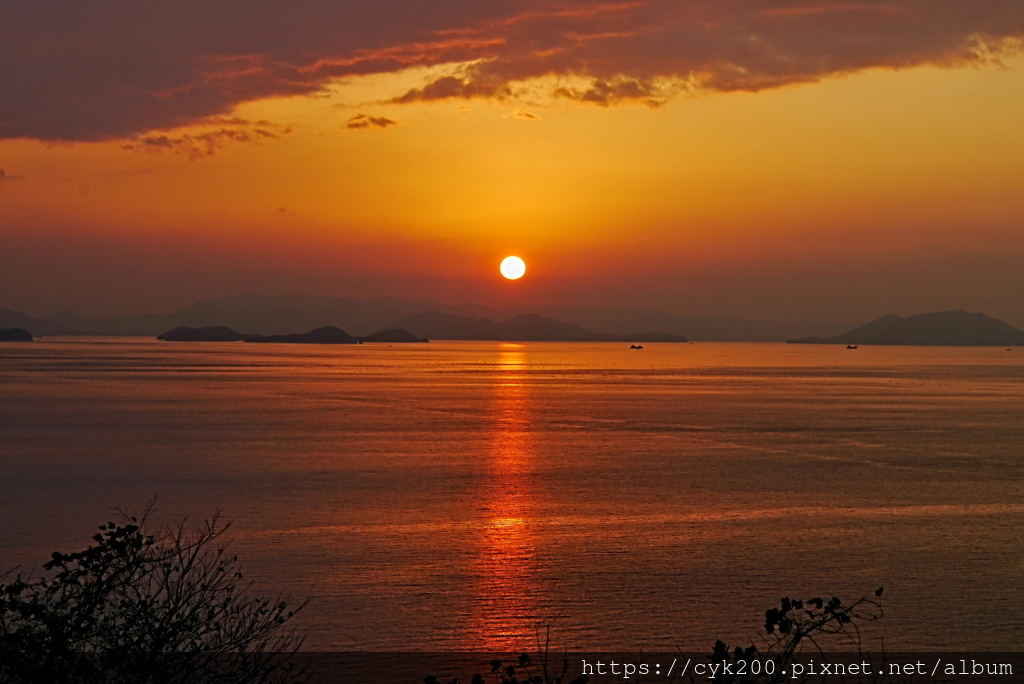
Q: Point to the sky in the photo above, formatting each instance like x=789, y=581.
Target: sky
x=800, y=160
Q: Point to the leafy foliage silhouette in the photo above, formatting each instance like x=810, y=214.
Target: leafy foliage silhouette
x=797, y=624
x=171, y=606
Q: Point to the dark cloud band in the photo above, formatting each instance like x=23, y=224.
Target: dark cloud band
x=114, y=70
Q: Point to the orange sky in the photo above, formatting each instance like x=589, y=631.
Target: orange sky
x=858, y=162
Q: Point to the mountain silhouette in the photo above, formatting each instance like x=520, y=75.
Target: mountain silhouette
x=219, y=333
x=521, y=328
x=37, y=326
x=393, y=335
x=325, y=335
x=282, y=314
x=266, y=315
x=943, y=328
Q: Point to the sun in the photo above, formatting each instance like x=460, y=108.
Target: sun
x=513, y=267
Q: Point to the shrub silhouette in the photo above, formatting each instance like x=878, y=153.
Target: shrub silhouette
x=814, y=623
x=170, y=606
x=794, y=625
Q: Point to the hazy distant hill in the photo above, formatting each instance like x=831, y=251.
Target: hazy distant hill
x=521, y=328
x=271, y=315
x=36, y=326
x=393, y=335
x=944, y=328
x=266, y=315
x=626, y=320
x=282, y=314
x=325, y=335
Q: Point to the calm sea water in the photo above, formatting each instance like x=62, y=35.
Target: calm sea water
x=458, y=495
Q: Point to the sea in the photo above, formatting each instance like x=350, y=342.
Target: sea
x=467, y=496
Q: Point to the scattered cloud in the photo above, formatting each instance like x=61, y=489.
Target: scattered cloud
x=4, y=176
x=602, y=92
x=364, y=121
x=464, y=87
x=82, y=76
x=206, y=144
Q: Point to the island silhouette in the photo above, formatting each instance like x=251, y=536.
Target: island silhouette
x=220, y=333
x=286, y=314
x=219, y=319
x=941, y=328
x=521, y=328
x=15, y=335
x=324, y=335
x=426, y=326
x=10, y=318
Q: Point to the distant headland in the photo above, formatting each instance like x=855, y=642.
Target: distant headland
x=942, y=328
x=15, y=335
x=325, y=335
x=218, y=333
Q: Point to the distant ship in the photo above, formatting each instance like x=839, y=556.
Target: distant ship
x=851, y=346
x=636, y=346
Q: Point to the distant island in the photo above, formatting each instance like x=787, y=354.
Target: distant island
x=280, y=315
x=393, y=336
x=521, y=328
x=427, y=326
x=284, y=314
x=324, y=335
x=943, y=328
x=218, y=333
x=15, y=319
x=15, y=335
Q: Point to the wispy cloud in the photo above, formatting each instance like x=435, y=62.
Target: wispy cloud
x=197, y=146
x=109, y=83
x=364, y=121
x=4, y=176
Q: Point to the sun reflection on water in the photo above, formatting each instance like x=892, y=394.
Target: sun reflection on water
x=505, y=587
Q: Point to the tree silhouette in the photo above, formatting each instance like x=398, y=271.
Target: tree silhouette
x=170, y=606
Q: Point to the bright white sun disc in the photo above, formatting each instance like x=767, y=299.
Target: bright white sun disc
x=513, y=267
